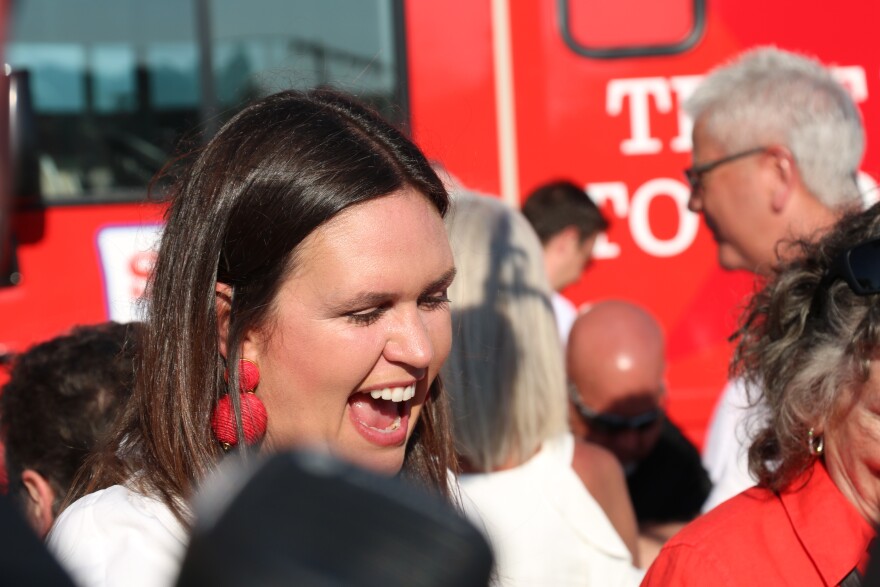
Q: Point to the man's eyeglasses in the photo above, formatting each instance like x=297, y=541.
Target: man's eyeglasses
x=695, y=174
x=612, y=423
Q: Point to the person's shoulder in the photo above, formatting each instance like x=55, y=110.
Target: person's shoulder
x=730, y=521
x=115, y=502
x=107, y=535
x=709, y=550
x=109, y=515
x=86, y=512
x=689, y=565
x=594, y=462
x=599, y=471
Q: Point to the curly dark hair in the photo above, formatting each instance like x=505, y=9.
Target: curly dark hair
x=804, y=343
x=62, y=397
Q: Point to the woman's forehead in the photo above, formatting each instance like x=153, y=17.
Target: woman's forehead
x=389, y=233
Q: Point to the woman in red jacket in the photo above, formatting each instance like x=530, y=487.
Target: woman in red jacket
x=809, y=351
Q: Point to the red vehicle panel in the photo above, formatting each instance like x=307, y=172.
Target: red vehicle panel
x=496, y=93
x=614, y=126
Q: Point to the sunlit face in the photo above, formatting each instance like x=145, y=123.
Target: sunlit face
x=583, y=254
x=577, y=258
x=365, y=310
x=733, y=201
x=852, y=447
x=621, y=391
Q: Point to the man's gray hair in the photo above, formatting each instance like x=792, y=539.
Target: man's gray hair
x=768, y=96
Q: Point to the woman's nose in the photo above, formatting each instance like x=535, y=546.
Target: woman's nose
x=410, y=342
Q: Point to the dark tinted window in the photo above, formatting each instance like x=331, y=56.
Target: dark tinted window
x=116, y=83
x=603, y=29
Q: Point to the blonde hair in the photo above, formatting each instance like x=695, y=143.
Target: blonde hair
x=506, y=374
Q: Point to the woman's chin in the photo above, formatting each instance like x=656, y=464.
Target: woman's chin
x=386, y=462
x=372, y=456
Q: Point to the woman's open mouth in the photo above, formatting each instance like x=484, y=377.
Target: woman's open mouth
x=381, y=416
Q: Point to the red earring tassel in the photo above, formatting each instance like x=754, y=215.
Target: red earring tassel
x=253, y=412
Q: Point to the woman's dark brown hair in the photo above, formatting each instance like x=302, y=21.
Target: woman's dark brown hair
x=274, y=173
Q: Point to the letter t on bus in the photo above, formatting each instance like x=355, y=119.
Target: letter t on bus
x=638, y=90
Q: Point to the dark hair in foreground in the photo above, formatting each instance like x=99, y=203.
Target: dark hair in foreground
x=555, y=206
x=63, y=395
x=274, y=173
x=805, y=347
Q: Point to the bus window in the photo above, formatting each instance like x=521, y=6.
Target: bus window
x=607, y=30
x=117, y=83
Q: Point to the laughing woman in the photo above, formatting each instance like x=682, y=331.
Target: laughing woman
x=298, y=299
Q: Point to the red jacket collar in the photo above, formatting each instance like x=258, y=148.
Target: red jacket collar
x=833, y=532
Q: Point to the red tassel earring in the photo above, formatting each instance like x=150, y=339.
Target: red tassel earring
x=253, y=412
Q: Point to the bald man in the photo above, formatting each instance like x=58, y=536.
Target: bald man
x=616, y=365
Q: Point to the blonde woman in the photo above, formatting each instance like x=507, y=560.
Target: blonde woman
x=556, y=510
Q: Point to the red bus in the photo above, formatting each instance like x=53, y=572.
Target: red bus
x=507, y=94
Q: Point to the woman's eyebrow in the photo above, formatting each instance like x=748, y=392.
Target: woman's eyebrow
x=361, y=300
x=443, y=281
x=368, y=299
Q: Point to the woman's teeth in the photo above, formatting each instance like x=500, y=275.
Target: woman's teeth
x=395, y=394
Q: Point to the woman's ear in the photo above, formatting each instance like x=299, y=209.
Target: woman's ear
x=223, y=302
x=39, y=499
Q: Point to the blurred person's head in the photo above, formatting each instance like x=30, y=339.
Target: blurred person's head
x=777, y=144
x=505, y=374
x=809, y=351
x=616, y=368
x=307, y=238
x=63, y=395
x=567, y=222
x=304, y=518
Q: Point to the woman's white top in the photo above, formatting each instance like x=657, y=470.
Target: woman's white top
x=117, y=536
x=544, y=526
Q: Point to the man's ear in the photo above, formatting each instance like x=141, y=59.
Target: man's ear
x=786, y=176
x=223, y=302
x=39, y=500
x=566, y=240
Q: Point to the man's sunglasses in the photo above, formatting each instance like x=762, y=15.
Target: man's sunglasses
x=859, y=266
x=695, y=174
x=612, y=423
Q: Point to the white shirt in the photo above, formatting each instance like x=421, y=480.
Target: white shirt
x=544, y=526
x=726, y=452
x=566, y=313
x=119, y=537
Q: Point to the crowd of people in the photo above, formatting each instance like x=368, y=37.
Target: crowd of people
x=318, y=287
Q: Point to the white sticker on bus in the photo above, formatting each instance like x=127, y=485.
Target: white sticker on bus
x=127, y=254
